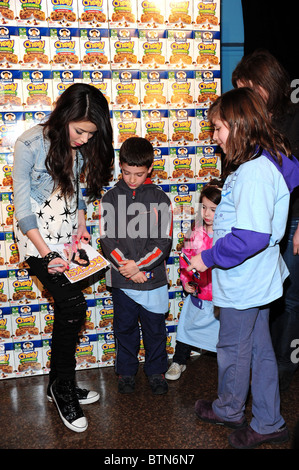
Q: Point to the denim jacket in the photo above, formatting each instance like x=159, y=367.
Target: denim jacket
x=31, y=178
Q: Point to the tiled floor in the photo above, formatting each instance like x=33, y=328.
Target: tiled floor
x=136, y=421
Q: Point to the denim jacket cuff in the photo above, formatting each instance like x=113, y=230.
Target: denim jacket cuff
x=28, y=223
x=81, y=205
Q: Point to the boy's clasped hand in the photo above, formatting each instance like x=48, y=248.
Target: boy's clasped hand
x=130, y=270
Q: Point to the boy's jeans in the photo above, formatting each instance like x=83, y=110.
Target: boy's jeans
x=127, y=336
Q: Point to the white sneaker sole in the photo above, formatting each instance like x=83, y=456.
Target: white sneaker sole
x=80, y=425
x=174, y=376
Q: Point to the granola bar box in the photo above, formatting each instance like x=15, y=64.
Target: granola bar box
x=28, y=356
x=5, y=324
x=93, y=13
x=11, y=92
x=34, y=45
x=7, y=361
x=25, y=321
x=87, y=352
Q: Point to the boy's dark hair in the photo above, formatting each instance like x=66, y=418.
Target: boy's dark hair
x=136, y=151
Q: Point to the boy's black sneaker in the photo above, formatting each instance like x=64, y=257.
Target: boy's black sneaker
x=67, y=403
x=158, y=384
x=126, y=383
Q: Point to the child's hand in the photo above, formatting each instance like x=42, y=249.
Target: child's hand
x=296, y=242
x=128, y=268
x=189, y=288
x=197, y=263
x=139, y=278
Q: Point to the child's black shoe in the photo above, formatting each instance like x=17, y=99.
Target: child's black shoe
x=158, y=384
x=126, y=383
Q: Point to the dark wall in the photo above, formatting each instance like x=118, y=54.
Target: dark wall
x=273, y=26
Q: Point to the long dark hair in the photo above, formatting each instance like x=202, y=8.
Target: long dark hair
x=250, y=130
x=212, y=191
x=80, y=102
x=262, y=69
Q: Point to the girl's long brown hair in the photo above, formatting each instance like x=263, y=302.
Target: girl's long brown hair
x=250, y=130
x=80, y=102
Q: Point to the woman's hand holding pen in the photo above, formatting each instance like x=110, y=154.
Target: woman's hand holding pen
x=197, y=264
x=58, y=265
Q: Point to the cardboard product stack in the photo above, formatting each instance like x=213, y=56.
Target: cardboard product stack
x=158, y=64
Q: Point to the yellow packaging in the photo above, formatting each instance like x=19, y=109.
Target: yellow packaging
x=152, y=14
x=122, y=13
x=179, y=14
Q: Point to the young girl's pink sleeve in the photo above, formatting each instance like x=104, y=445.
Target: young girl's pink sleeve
x=185, y=275
x=192, y=248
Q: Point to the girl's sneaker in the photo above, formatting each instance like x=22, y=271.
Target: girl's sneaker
x=85, y=397
x=67, y=403
x=174, y=371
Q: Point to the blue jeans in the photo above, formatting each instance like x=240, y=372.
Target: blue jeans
x=285, y=312
x=245, y=344
x=127, y=336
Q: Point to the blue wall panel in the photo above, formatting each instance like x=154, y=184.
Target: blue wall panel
x=232, y=39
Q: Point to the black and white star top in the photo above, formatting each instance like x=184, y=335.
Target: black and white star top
x=57, y=219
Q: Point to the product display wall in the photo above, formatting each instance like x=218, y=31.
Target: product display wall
x=158, y=65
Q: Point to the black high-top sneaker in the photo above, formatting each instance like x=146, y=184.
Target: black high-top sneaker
x=66, y=400
x=85, y=396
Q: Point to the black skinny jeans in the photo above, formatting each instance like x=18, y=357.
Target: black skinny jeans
x=69, y=316
x=182, y=353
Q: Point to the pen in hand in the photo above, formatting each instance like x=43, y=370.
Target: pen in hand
x=56, y=265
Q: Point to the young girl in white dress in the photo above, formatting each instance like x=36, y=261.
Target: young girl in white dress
x=198, y=327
